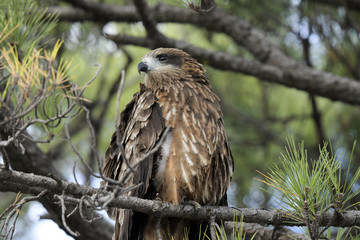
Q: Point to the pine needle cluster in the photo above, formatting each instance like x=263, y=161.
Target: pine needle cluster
x=306, y=189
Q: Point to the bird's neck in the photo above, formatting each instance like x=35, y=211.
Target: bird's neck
x=162, y=79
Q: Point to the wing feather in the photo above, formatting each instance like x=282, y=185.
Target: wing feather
x=141, y=126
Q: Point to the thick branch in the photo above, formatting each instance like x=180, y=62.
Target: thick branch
x=264, y=233
x=304, y=78
x=35, y=161
x=147, y=18
x=30, y=183
x=352, y=4
x=279, y=68
x=243, y=33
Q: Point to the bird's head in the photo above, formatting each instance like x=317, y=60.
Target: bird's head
x=164, y=66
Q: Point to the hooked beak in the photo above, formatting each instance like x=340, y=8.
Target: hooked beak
x=142, y=67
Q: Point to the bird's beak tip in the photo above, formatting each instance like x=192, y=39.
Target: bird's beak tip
x=142, y=67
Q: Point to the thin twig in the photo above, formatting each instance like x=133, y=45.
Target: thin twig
x=118, y=97
x=157, y=226
x=74, y=172
x=147, y=19
x=93, y=138
x=212, y=227
x=92, y=79
x=87, y=199
x=148, y=154
x=63, y=217
x=155, y=149
x=5, y=158
x=118, y=134
x=16, y=211
x=67, y=134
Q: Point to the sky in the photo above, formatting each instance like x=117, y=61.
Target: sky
x=40, y=229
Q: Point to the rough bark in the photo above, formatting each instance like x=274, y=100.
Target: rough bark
x=271, y=63
x=35, y=184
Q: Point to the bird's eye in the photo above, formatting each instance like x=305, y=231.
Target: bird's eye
x=162, y=58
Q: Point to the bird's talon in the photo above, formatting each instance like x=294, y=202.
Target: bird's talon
x=195, y=204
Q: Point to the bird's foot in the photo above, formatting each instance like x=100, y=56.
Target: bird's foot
x=195, y=204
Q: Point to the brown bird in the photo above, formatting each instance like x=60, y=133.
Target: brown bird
x=194, y=163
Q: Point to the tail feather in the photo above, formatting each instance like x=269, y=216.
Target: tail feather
x=123, y=224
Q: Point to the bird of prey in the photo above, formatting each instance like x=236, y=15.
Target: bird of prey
x=194, y=162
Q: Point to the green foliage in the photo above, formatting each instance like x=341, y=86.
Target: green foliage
x=33, y=73
x=30, y=24
x=238, y=229
x=24, y=26
x=34, y=86
x=237, y=233
x=306, y=188
x=343, y=233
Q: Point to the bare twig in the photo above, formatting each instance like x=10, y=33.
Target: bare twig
x=126, y=174
x=147, y=19
x=93, y=146
x=118, y=97
x=212, y=227
x=117, y=130
x=87, y=199
x=156, y=148
x=72, y=212
x=5, y=158
x=74, y=172
x=15, y=117
x=91, y=80
x=30, y=183
x=13, y=211
x=157, y=226
x=63, y=217
x=75, y=150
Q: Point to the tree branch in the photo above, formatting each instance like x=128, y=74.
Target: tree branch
x=279, y=69
x=35, y=184
x=264, y=233
x=147, y=18
x=352, y=4
x=303, y=78
x=39, y=163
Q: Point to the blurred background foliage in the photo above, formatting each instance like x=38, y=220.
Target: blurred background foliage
x=258, y=115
